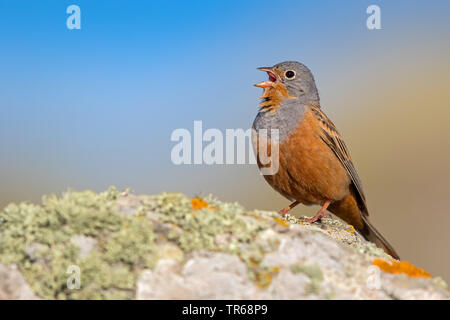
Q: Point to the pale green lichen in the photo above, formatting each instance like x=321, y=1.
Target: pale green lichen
x=130, y=233
x=440, y=282
x=38, y=239
x=343, y=233
x=201, y=227
x=125, y=244
x=313, y=272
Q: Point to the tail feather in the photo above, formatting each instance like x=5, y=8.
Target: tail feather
x=371, y=234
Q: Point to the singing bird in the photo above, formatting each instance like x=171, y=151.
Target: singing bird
x=314, y=165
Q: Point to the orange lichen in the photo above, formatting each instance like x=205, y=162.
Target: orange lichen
x=263, y=278
x=199, y=203
x=281, y=222
x=397, y=267
x=351, y=229
x=254, y=215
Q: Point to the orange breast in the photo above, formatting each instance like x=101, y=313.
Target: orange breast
x=309, y=171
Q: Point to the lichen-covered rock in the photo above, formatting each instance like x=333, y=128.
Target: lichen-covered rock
x=13, y=286
x=206, y=275
x=116, y=245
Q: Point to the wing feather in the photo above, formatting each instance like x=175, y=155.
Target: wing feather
x=333, y=139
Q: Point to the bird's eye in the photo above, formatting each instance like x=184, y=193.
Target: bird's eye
x=290, y=74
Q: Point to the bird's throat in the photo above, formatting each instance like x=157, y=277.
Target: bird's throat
x=273, y=96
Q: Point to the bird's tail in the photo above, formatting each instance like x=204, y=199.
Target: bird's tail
x=371, y=234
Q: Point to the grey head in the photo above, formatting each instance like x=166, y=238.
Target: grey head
x=298, y=81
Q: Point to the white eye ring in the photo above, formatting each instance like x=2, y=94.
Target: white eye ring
x=291, y=76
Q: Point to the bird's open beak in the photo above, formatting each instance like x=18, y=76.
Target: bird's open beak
x=272, y=78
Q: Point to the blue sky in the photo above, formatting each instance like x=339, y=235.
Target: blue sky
x=93, y=107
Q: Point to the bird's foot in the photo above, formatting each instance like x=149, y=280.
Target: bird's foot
x=283, y=211
x=320, y=214
x=317, y=217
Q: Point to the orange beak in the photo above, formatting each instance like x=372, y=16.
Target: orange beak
x=272, y=78
x=264, y=84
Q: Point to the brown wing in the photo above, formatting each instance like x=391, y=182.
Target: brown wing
x=333, y=139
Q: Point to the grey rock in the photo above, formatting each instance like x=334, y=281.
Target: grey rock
x=206, y=275
x=261, y=256
x=13, y=285
x=339, y=272
x=84, y=243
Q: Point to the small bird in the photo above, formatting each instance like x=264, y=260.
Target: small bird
x=314, y=167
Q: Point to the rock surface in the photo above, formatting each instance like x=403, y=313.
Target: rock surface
x=169, y=246
x=13, y=286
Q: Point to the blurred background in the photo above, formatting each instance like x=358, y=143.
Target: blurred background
x=95, y=107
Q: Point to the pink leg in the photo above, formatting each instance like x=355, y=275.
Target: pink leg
x=320, y=214
x=288, y=208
